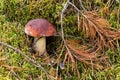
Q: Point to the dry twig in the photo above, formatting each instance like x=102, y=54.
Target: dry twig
x=61, y=19
x=28, y=58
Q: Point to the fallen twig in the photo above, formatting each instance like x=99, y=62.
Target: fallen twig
x=61, y=19
x=16, y=75
x=82, y=5
x=28, y=58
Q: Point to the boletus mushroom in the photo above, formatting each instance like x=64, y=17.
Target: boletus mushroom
x=39, y=29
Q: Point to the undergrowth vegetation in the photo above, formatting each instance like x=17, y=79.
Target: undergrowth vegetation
x=92, y=36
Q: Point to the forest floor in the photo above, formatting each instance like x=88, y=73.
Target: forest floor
x=95, y=50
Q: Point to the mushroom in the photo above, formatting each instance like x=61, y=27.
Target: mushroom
x=39, y=29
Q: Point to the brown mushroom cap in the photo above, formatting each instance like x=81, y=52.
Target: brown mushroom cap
x=39, y=28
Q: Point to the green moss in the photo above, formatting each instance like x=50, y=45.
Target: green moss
x=14, y=14
x=5, y=78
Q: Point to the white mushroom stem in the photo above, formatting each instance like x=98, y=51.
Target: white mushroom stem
x=40, y=45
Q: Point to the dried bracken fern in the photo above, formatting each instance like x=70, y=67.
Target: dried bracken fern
x=100, y=35
x=98, y=30
x=91, y=59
